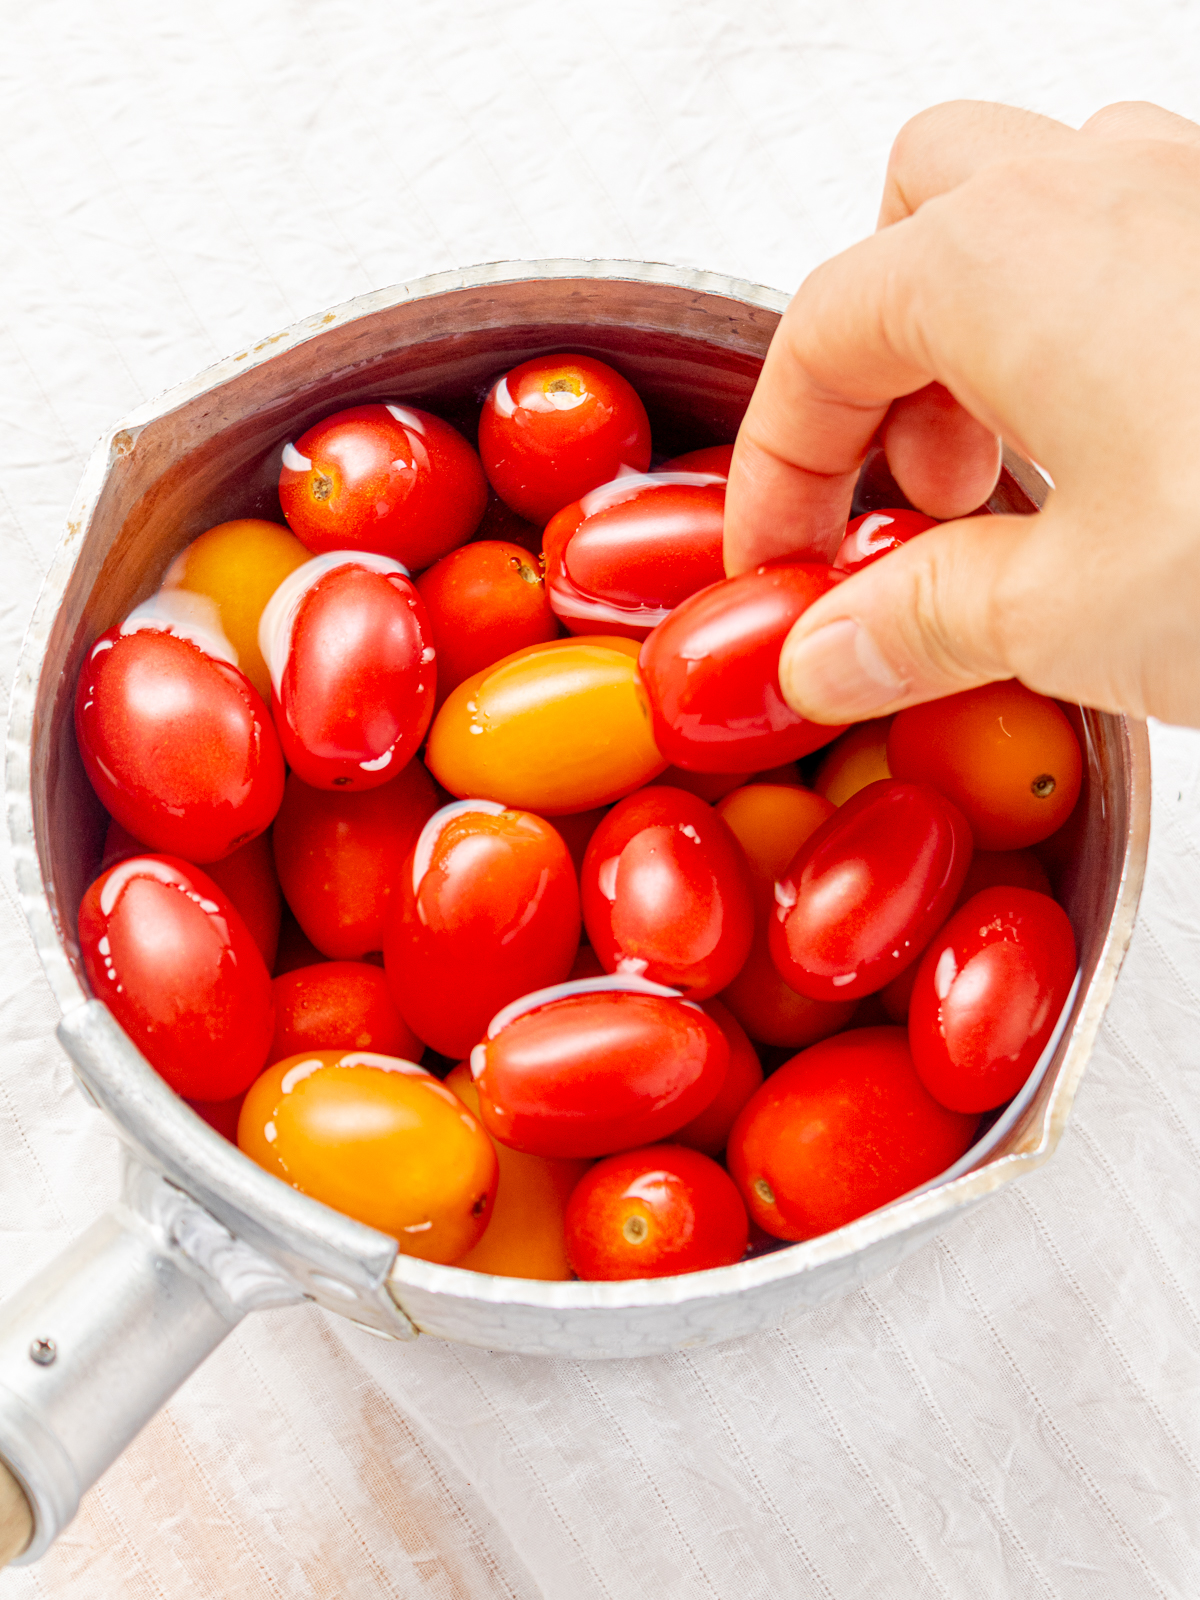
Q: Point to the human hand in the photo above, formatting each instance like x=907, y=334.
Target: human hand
x=1028, y=282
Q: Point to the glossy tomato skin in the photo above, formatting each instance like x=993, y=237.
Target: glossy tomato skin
x=195, y=772
x=247, y=876
x=1008, y=758
x=339, y=1005
x=709, y=1132
x=712, y=672
x=526, y=1235
x=871, y=537
x=177, y=967
x=597, y=1070
x=666, y=892
x=379, y=1139
x=339, y=856
x=840, y=1130
x=553, y=728
x=386, y=478
x=483, y=601
x=352, y=667
x=714, y=458
x=557, y=426
x=486, y=909
x=868, y=889
x=987, y=994
x=624, y=556
x=653, y=1213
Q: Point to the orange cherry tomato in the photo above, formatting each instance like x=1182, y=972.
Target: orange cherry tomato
x=339, y=1005
x=655, y=1212
x=379, y=1139
x=552, y=728
x=238, y=566
x=709, y=1132
x=526, y=1237
x=771, y=821
x=484, y=601
x=339, y=855
x=1006, y=757
x=247, y=877
x=771, y=1011
x=858, y=758
x=840, y=1130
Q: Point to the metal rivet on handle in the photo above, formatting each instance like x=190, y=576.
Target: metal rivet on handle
x=43, y=1351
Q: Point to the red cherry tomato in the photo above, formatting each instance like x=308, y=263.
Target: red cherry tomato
x=876, y=534
x=177, y=743
x=623, y=557
x=868, y=889
x=247, y=877
x=176, y=965
x=555, y=427
x=487, y=909
x=713, y=458
x=590, y=1068
x=483, y=601
x=351, y=658
x=666, y=892
x=1007, y=757
x=339, y=856
x=709, y=1132
x=652, y=1213
x=987, y=994
x=838, y=1131
x=712, y=673
x=387, y=478
x=339, y=1005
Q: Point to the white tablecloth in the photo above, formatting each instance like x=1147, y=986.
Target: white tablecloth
x=1015, y=1411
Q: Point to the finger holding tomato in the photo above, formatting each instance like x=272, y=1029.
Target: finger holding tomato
x=486, y=909
x=667, y=893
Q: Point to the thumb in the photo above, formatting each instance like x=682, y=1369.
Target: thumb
x=943, y=613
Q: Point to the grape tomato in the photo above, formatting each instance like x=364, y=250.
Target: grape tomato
x=714, y=458
x=987, y=994
x=876, y=534
x=770, y=1010
x=385, y=478
x=596, y=1066
x=378, y=1139
x=621, y=558
x=868, y=889
x=655, y=1212
x=339, y=856
x=771, y=821
x=552, y=728
x=712, y=672
x=557, y=426
x=176, y=742
x=166, y=952
x=339, y=1005
x=858, y=758
x=1008, y=758
x=351, y=658
x=840, y=1130
x=486, y=909
x=667, y=894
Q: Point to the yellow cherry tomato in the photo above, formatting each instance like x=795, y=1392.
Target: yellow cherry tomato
x=379, y=1139
x=553, y=728
x=858, y=758
x=771, y=821
x=525, y=1237
x=239, y=565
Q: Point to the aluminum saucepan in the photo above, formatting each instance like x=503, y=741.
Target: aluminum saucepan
x=98, y=1342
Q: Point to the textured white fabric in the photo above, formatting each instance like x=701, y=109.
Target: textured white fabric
x=1013, y=1413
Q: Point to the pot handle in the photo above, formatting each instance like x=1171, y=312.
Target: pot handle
x=93, y=1347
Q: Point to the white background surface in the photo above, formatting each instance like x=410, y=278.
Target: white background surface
x=1014, y=1412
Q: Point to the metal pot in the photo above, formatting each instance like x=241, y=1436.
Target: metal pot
x=202, y=1236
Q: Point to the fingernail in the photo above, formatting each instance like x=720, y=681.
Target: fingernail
x=837, y=674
